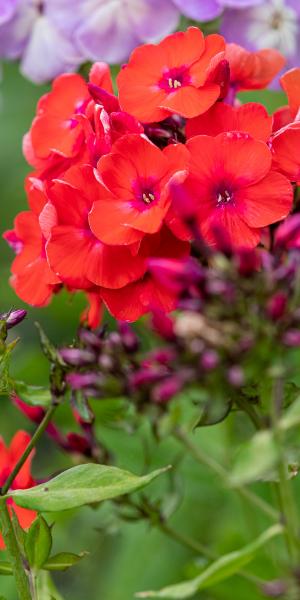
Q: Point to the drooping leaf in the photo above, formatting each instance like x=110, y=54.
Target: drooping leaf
x=80, y=485
x=38, y=543
x=33, y=394
x=5, y=569
x=63, y=561
x=255, y=459
x=214, y=412
x=221, y=569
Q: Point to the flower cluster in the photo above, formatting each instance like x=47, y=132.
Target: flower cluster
x=120, y=181
x=50, y=38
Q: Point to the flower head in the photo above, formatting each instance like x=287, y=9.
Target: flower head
x=176, y=76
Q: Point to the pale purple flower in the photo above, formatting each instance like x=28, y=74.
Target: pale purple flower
x=272, y=24
x=29, y=31
x=206, y=10
x=109, y=30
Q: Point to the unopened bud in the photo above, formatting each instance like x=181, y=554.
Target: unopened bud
x=291, y=338
x=236, y=376
x=13, y=317
x=78, y=381
x=163, y=325
x=274, y=589
x=77, y=357
x=147, y=376
x=166, y=390
x=90, y=339
x=288, y=233
x=129, y=339
x=209, y=360
x=276, y=306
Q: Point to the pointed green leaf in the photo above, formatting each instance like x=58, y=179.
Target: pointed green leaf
x=5, y=569
x=254, y=459
x=84, y=484
x=38, y=543
x=221, y=569
x=33, y=395
x=63, y=561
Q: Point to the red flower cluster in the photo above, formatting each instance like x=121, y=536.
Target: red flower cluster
x=9, y=457
x=117, y=178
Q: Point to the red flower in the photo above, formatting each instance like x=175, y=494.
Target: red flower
x=232, y=186
x=32, y=279
x=80, y=259
x=147, y=294
x=250, y=118
x=174, y=76
x=9, y=457
x=252, y=70
x=135, y=200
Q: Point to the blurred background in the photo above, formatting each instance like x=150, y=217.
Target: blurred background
x=123, y=557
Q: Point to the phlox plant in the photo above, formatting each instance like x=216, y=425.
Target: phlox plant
x=174, y=201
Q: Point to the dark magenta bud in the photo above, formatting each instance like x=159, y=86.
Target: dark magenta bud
x=176, y=274
x=276, y=306
x=147, y=376
x=13, y=317
x=78, y=443
x=90, y=339
x=101, y=96
x=163, y=325
x=291, y=338
x=236, y=376
x=162, y=356
x=247, y=261
x=166, y=390
x=129, y=339
x=77, y=357
x=288, y=233
x=78, y=381
x=209, y=360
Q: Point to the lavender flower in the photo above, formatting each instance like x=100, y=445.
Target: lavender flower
x=271, y=24
x=34, y=32
x=109, y=30
x=207, y=10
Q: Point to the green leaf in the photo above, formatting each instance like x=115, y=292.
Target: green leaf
x=84, y=484
x=255, y=459
x=291, y=417
x=221, y=569
x=33, y=394
x=38, y=543
x=63, y=561
x=5, y=569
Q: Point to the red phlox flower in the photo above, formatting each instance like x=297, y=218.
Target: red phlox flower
x=252, y=70
x=147, y=294
x=73, y=251
x=134, y=199
x=9, y=457
x=251, y=118
x=174, y=76
x=233, y=186
x=32, y=279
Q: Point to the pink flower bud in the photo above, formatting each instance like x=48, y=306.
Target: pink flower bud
x=129, y=339
x=292, y=338
x=77, y=357
x=276, y=306
x=163, y=325
x=288, y=233
x=13, y=317
x=236, y=376
x=209, y=360
x=78, y=381
x=166, y=390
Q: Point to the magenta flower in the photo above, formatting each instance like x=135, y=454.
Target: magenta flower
x=206, y=10
x=271, y=24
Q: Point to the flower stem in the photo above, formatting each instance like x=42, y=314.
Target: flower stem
x=21, y=579
x=284, y=488
x=35, y=438
x=204, y=459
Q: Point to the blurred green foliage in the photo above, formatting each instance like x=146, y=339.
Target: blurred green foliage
x=124, y=557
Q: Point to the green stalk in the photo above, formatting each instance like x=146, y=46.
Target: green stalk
x=204, y=459
x=21, y=579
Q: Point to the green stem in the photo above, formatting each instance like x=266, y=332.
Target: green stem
x=284, y=488
x=245, y=405
x=35, y=438
x=204, y=459
x=22, y=583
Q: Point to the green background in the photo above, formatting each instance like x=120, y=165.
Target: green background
x=124, y=557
